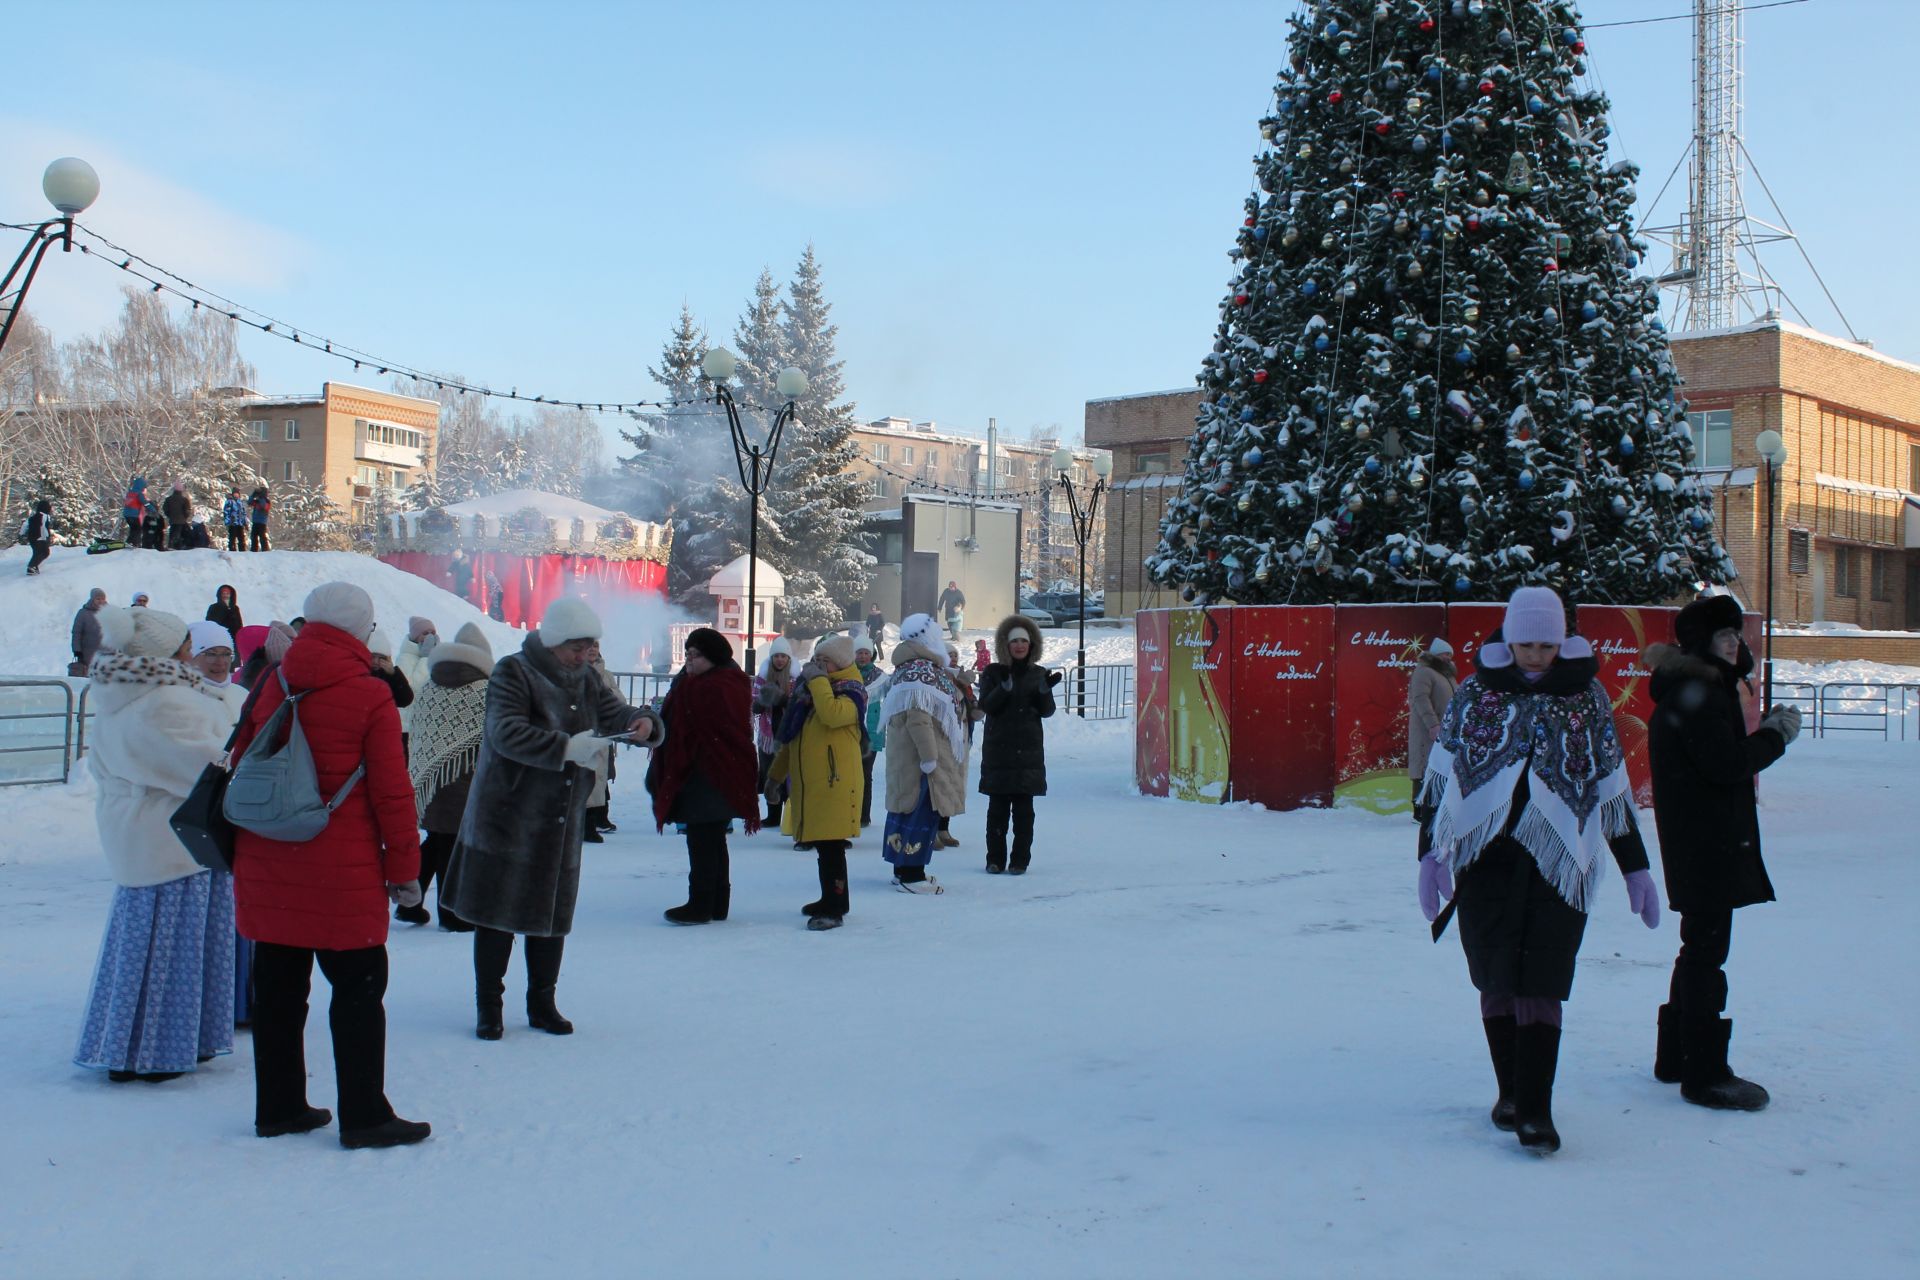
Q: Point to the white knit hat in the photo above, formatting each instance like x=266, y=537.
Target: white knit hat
x=922, y=630
x=834, y=652
x=1534, y=616
x=143, y=632
x=379, y=642
x=569, y=618
x=341, y=605
x=206, y=635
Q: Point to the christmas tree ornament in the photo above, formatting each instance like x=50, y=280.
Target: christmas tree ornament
x=1371, y=466
x=1246, y=414
x=1417, y=481
x=1588, y=311
x=1362, y=432
x=1426, y=29
x=1395, y=559
x=1513, y=351
x=1468, y=506
x=1263, y=572
x=1241, y=299
x=1535, y=104
x=1205, y=521
x=1392, y=498
x=1695, y=520
x=1245, y=503
x=1550, y=266
x=1321, y=342
x=1486, y=88
x=1626, y=446
x=1618, y=506
x=1383, y=127
x=1335, y=97
x=1259, y=375
x=1252, y=457
x=1327, y=241
x=1289, y=238
x=1524, y=480
x=1305, y=151
x=1413, y=105
x=1464, y=356
x=1471, y=312
x=1519, y=175
x=1419, y=143
x=1236, y=580
x=1462, y=585
x=1186, y=593
x=1415, y=270
x=1309, y=287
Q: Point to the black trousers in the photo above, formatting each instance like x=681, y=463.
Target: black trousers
x=177, y=537
x=492, y=949
x=1520, y=936
x=999, y=809
x=832, y=857
x=866, y=796
x=434, y=852
x=44, y=548
x=1699, y=988
x=260, y=542
x=236, y=537
x=356, y=1016
x=709, y=868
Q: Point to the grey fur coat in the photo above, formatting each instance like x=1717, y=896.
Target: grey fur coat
x=516, y=864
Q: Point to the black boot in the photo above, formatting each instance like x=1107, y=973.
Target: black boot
x=491, y=951
x=695, y=910
x=1669, y=1047
x=1709, y=1081
x=720, y=900
x=1536, y=1057
x=1500, y=1032
x=543, y=976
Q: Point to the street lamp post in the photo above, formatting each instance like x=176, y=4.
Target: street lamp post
x=1773, y=452
x=70, y=186
x=1082, y=530
x=755, y=460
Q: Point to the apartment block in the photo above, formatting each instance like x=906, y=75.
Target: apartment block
x=352, y=440
x=1148, y=435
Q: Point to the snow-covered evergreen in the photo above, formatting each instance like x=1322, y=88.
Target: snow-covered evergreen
x=1436, y=375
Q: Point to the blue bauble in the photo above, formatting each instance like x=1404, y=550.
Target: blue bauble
x=1286, y=105
x=1395, y=559
x=1246, y=414
x=1461, y=585
x=1626, y=446
x=1570, y=36
x=1535, y=105
x=1656, y=326
x=1588, y=311
x=1321, y=342
x=1259, y=233
x=1299, y=351
x=1333, y=28
x=1446, y=140
x=1463, y=356
x=1695, y=520
x=1372, y=467
x=1252, y=457
x=1524, y=479
x=1426, y=234
x=1309, y=288
x=1419, y=143
x=1434, y=73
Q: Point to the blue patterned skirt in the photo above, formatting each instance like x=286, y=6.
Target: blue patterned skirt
x=163, y=990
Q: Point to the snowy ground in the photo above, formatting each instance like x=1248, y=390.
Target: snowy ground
x=1193, y=1042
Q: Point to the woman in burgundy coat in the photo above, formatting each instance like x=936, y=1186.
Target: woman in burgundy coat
x=325, y=899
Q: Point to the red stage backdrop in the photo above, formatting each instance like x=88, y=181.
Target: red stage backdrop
x=1374, y=656
x=1200, y=702
x=1150, y=759
x=1618, y=635
x=1283, y=699
x=530, y=583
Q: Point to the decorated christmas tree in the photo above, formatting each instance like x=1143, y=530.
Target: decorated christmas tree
x=1436, y=375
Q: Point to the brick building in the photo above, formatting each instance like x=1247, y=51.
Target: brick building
x=1847, y=542
x=352, y=440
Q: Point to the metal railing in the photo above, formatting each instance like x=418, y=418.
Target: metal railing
x=1892, y=710
x=1097, y=692
x=31, y=749
x=642, y=686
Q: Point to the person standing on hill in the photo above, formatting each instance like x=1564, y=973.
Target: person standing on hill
x=37, y=533
x=515, y=868
x=233, y=513
x=1429, y=690
x=178, y=509
x=1704, y=760
x=225, y=610
x=259, y=506
x=133, y=510
x=1016, y=693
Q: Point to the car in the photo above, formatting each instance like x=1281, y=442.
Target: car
x=1041, y=617
x=1065, y=606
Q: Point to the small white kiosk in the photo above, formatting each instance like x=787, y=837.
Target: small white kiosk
x=729, y=590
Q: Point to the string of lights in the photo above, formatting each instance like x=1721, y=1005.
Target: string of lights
x=1683, y=17
x=998, y=495
x=162, y=280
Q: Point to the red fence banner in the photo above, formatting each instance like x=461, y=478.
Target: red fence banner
x=1150, y=759
x=1374, y=655
x=1283, y=695
x=528, y=584
x=1200, y=702
x=1618, y=635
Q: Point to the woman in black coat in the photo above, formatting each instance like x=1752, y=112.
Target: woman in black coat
x=1016, y=693
x=225, y=610
x=1703, y=762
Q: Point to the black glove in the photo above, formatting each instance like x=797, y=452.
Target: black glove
x=1053, y=678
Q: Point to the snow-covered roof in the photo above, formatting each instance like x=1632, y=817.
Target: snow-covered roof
x=560, y=512
x=1146, y=395
x=732, y=580
x=1802, y=331
x=554, y=506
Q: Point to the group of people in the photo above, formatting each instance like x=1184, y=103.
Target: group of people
x=174, y=525
x=1521, y=788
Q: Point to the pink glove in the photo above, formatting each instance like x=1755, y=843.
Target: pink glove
x=1436, y=886
x=1642, y=899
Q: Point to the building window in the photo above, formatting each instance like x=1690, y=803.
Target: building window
x=289, y=471
x=880, y=452
x=1846, y=573
x=933, y=457
x=1799, y=550
x=259, y=428
x=1881, y=575
x=906, y=454
x=1913, y=468
x=1152, y=463
x=293, y=428
x=892, y=548
x=1712, y=437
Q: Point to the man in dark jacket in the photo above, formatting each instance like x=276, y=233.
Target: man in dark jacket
x=86, y=631
x=178, y=509
x=1703, y=762
x=233, y=513
x=876, y=625
x=38, y=534
x=953, y=603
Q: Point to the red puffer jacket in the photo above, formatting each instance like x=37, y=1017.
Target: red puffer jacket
x=329, y=892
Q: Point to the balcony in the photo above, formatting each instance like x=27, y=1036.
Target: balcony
x=384, y=442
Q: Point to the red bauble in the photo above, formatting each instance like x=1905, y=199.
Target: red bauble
x=1335, y=97
x=1384, y=127
x=1550, y=266
x=1523, y=435
x=1426, y=25
x=1579, y=46
x=1247, y=223
x=1212, y=554
x=1240, y=299
x=1399, y=194
x=1259, y=375
x=1486, y=88
x=1473, y=223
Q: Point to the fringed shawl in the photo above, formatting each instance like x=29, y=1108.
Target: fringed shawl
x=444, y=744
x=920, y=685
x=1578, y=795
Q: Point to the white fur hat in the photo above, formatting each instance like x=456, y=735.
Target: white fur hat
x=143, y=632
x=569, y=618
x=834, y=652
x=1439, y=647
x=208, y=635
x=922, y=630
x=469, y=645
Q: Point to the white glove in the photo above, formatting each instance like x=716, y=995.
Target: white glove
x=1784, y=719
x=405, y=895
x=586, y=750
x=928, y=766
x=428, y=642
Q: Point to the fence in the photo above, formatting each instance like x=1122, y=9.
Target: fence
x=1097, y=693
x=641, y=686
x=38, y=729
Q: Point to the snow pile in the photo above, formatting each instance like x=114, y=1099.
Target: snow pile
x=36, y=614
x=1194, y=1041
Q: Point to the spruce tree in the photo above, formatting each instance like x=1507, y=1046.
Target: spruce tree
x=1435, y=374
x=821, y=498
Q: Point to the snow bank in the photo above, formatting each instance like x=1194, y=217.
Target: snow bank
x=36, y=614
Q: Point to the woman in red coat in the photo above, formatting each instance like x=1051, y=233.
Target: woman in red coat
x=326, y=899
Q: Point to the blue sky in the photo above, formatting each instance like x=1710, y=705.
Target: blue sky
x=1018, y=207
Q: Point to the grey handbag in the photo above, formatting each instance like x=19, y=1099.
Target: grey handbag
x=275, y=791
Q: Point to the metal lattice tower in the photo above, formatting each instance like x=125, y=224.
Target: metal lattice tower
x=1717, y=271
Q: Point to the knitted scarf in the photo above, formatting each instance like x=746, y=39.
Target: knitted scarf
x=444, y=743
x=920, y=684
x=1578, y=794
x=800, y=705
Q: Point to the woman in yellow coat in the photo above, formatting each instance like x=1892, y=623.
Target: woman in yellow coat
x=819, y=760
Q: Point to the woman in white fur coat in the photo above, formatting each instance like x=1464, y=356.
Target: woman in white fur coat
x=162, y=999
